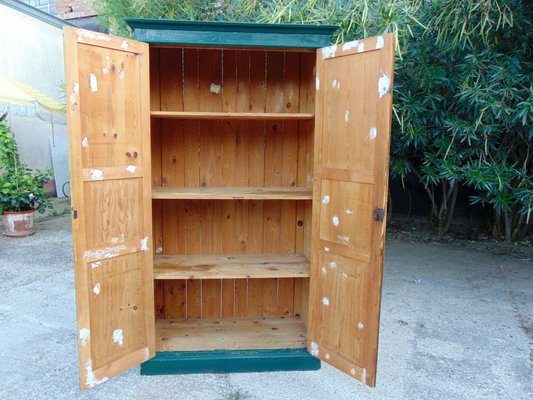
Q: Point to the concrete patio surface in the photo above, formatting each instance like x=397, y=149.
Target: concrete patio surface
x=456, y=323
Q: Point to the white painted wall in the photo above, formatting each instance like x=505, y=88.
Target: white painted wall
x=31, y=51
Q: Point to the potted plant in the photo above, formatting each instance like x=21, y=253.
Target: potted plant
x=21, y=189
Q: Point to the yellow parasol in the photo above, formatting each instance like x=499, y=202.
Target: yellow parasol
x=13, y=91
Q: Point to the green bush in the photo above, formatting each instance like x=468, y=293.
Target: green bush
x=21, y=189
x=463, y=97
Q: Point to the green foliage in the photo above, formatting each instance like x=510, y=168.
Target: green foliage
x=21, y=189
x=356, y=18
x=463, y=97
x=464, y=108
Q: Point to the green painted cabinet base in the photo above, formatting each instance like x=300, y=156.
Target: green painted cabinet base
x=224, y=361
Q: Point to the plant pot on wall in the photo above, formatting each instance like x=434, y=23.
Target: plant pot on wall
x=18, y=223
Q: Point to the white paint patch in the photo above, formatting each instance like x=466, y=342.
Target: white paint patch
x=335, y=220
x=13, y=221
x=373, y=133
x=325, y=301
x=344, y=275
x=349, y=211
x=121, y=74
x=144, y=244
x=76, y=88
x=352, y=371
x=344, y=239
x=326, y=249
x=361, y=47
x=334, y=83
x=383, y=85
x=131, y=168
x=328, y=356
x=85, y=335
x=117, y=239
x=328, y=52
x=363, y=376
x=380, y=42
x=360, y=325
x=85, y=142
x=350, y=45
x=90, y=378
x=317, y=83
x=118, y=337
x=96, y=174
x=325, y=199
x=93, y=36
x=107, y=252
x=314, y=349
x=346, y=116
x=159, y=250
x=72, y=98
x=324, y=270
x=96, y=264
x=96, y=288
x=124, y=44
x=105, y=69
x=93, y=82
x=214, y=88
x=333, y=264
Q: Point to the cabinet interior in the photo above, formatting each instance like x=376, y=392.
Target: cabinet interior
x=232, y=167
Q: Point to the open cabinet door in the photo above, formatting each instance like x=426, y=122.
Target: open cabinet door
x=352, y=136
x=109, y=143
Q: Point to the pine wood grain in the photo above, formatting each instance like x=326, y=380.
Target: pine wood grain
x=229, y=334
x=232, y=193
x=107, y=89
x=211, y=115
x=230, y=266
x=352, y=137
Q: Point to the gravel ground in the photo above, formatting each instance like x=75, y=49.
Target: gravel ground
x=457, y=323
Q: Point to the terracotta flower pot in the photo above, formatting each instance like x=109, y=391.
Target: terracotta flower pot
x=18, y=223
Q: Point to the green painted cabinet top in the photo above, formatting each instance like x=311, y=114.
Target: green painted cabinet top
x=231, y=34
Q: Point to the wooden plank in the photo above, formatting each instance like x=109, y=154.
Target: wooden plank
x=240, y=297
x=175, y=299
x=256, y=174
x=211, y=169
x=232, y=193
x=230, y=266
x=229, y=334
x=211, y=115
x=227, y=298
x=231, y=137
x=156, y=146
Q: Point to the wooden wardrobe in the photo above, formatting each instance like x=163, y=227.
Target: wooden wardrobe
x=229, y=186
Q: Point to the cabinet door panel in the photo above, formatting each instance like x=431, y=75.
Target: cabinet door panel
x=109, y=144
x=352, y=136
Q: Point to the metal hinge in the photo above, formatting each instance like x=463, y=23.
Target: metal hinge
x=379, y=214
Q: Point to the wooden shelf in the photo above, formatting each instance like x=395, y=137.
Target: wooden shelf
x=232, y=193
x=229, y=334
x=231, y=266
x=231, y=115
